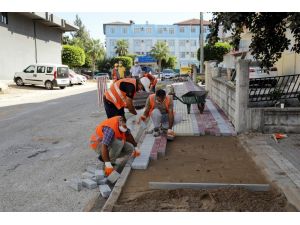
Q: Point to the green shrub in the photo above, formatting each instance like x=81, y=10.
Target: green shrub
x=127, y=61
x=170, y=63
x=73, y=56
x=215, y=52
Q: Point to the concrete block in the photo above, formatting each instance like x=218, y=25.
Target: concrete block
x=88, y=183
x=88, y=175
x=99, y=174
x=75, y=184
x=91, y=169
x=103, y=181
x=113, y=177
x=105, y=190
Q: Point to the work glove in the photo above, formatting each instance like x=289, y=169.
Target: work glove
x=136, y=153
x=108, y=168
x=170, y=134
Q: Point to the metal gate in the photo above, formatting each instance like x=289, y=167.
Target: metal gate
x=274, y=88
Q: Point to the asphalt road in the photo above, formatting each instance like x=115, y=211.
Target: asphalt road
x=42, y=145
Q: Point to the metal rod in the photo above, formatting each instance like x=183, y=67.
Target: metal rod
x=201, y=43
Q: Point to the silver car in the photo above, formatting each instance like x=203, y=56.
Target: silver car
x=167, y=74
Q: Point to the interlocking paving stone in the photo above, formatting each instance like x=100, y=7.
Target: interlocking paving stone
x=105, y=190
x=88, y=183
x=113, y=177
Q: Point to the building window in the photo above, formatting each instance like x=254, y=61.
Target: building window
x=160, y=30
x=182, y=54
x=125, y=30
x=181, y=29
x=182, y=43
x=3, y=18
x=148, y=43
x=193, y=29
x=193, y=43
x=148, y=30
x=171, y=31
x=193, y=55
x=113, y=43
x=136, y=30
x=171, y=42
x=137, y=42
x=112, y=30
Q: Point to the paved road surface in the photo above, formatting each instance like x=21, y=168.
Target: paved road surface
x=41, y=146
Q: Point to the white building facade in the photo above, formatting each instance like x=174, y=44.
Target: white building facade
x=182, y=38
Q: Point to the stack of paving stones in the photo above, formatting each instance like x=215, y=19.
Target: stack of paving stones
x=94, y=177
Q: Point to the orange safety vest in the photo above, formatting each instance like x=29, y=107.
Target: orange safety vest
x=113, y=123
x=152, y=103
x=115, y=74
x=115, y=95
x=152, y=79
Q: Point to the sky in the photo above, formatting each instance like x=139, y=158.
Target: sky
x=94, y=21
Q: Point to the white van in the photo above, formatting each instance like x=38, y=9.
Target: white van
x=48, y=75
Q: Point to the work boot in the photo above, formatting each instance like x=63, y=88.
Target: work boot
x=156, y=132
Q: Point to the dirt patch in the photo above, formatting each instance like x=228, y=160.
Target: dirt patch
x=236, y=200
x=199, y=160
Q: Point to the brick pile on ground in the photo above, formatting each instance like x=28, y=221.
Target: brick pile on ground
x=95, y=177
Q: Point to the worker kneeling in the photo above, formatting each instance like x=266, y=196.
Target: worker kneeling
x=111, y=140
x=159, y=107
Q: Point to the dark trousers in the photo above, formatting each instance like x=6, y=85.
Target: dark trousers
x=111, y=110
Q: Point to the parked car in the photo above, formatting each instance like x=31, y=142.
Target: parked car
x=258, y=72
x=48, y=75
x=167, y=74
x=73, y=77
x=81, y=79
x=101, y=74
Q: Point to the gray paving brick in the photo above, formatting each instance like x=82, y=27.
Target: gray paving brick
x=99, y=174
x=113, y=177
x=91, y=169
x=88, y=175
x=103, y=181
x=88, y=183
x=75, y=184
x=105, y=190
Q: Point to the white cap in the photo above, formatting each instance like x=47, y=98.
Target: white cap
x=146, y=83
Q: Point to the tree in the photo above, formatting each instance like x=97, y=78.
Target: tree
x=268, y=32
x=126, y=61
x=121, y=47
x=170, y=63
x=95, y=51
x=215, y=52
x=73, y=56
x=160, y=51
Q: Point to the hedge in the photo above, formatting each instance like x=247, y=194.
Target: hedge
x=127, y=61
x=73, y=56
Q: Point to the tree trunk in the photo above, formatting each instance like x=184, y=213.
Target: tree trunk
x=159, y=65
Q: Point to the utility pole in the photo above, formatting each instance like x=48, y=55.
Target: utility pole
x=201, y=43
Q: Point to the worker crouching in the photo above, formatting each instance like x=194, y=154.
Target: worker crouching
x=112, y=140
x=159, y=107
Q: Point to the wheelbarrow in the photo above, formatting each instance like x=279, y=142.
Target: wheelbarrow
x=192, y=97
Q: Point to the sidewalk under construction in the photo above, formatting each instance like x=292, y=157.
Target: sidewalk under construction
x=204, y=169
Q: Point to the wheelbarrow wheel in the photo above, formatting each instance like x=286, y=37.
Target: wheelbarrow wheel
x=201, y=107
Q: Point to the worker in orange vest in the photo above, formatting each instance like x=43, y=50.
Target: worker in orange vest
x=111, y=140
x=159, y=107
x=115, y=73
x=153, y=80
x=120, y=95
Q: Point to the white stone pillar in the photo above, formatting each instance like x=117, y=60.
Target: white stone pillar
x=242, y=95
